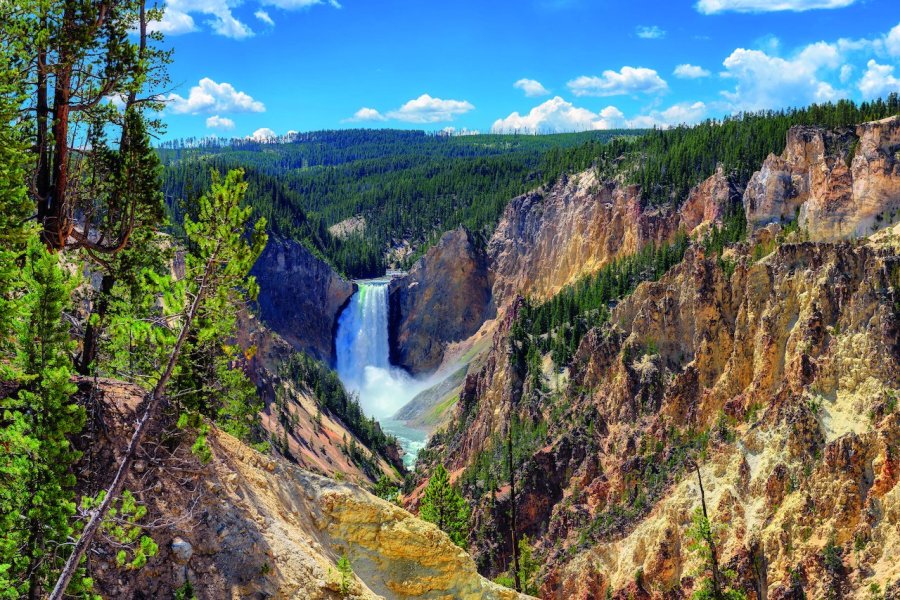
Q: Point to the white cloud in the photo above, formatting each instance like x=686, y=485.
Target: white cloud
x=765, y=81
x=650, y=33
x=295, y=4
x=892, y=41
x=210, y=97
x=264, y=17
x=710, y=7
x=531, y=87
x=178, y=18
x=878, y=80
x=179, y=15
x=685, y=112
x=263, y=134
x=217, y=122
x=554, y=116
x=629, y=80
x=426, y=109
x=688, y=71
x=365, y=114
x=557, y=115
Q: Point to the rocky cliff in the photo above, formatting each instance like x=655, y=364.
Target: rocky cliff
x=248, y=525
x=775, y=366
x=444, y=298
x=300, y=296
x=839, y=184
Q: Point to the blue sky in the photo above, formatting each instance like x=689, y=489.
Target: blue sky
x=259, y=66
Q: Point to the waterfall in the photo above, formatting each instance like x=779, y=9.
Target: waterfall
x=364, y=364
x=363, y=354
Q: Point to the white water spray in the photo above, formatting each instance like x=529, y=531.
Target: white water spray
x=363, y=354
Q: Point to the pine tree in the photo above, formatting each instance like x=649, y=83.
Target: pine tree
x=37, y=492
x=444, y=506
x=205, y=302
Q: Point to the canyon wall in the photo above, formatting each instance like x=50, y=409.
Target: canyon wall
x=444, y=298
x=300, y=296
x=776, y=365
x=840, y=184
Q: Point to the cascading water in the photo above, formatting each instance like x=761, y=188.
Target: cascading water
x=363, y=363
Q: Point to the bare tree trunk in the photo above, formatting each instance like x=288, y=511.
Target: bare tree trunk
x=56, y=222
x=153, y=403
x=714, y=558
x=512, y=510
x=91, y=343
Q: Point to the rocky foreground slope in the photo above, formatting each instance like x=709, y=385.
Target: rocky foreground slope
x=247, y=525
x=774, y=366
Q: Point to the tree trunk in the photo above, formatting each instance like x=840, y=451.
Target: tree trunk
x=714, y=559
x=91, y=343
x=56, y=222
x=512, y=510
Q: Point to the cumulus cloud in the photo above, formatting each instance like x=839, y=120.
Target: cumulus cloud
x=878, y=80
x=558, y=115
x=426, y=109
x=554, y=116
x=764, y=81
x=710, y=7
x=295, y=4
x=629, y=80
x=892, y=41
x=365, y=114
x=264, y=17
x=210, y=97
x=531, y=87
x=688, y=71
x=650, y=33
x=217, y=122
x=179, y=16
x=263, y=134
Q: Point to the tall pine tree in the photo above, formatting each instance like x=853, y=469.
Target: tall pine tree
x=444, y=506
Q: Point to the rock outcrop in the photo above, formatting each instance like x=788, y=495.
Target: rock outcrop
x=300, y=296
x=247, y=525
x=444, y=298
x=550, y=238
x=841, y=184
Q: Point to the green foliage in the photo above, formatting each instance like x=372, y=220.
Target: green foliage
x=210, y=380
x=345, y=571
x=15, y=207
x=121, y=527
x=387, y=489
x=185, y=592
x=703, y=535
x=37, y=486
x=330, y=395
x=406, y=184
x=443, y=505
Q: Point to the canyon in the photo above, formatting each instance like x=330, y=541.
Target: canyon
x=771, y=367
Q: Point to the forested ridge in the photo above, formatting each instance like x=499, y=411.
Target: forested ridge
x=408, y=185
x=412, y=186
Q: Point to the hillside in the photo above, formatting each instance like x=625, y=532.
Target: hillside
x=407, y=187
x=770, y=362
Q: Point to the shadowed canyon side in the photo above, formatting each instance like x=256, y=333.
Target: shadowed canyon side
x=300, y=296
x=776, y=361
x=445, y=298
